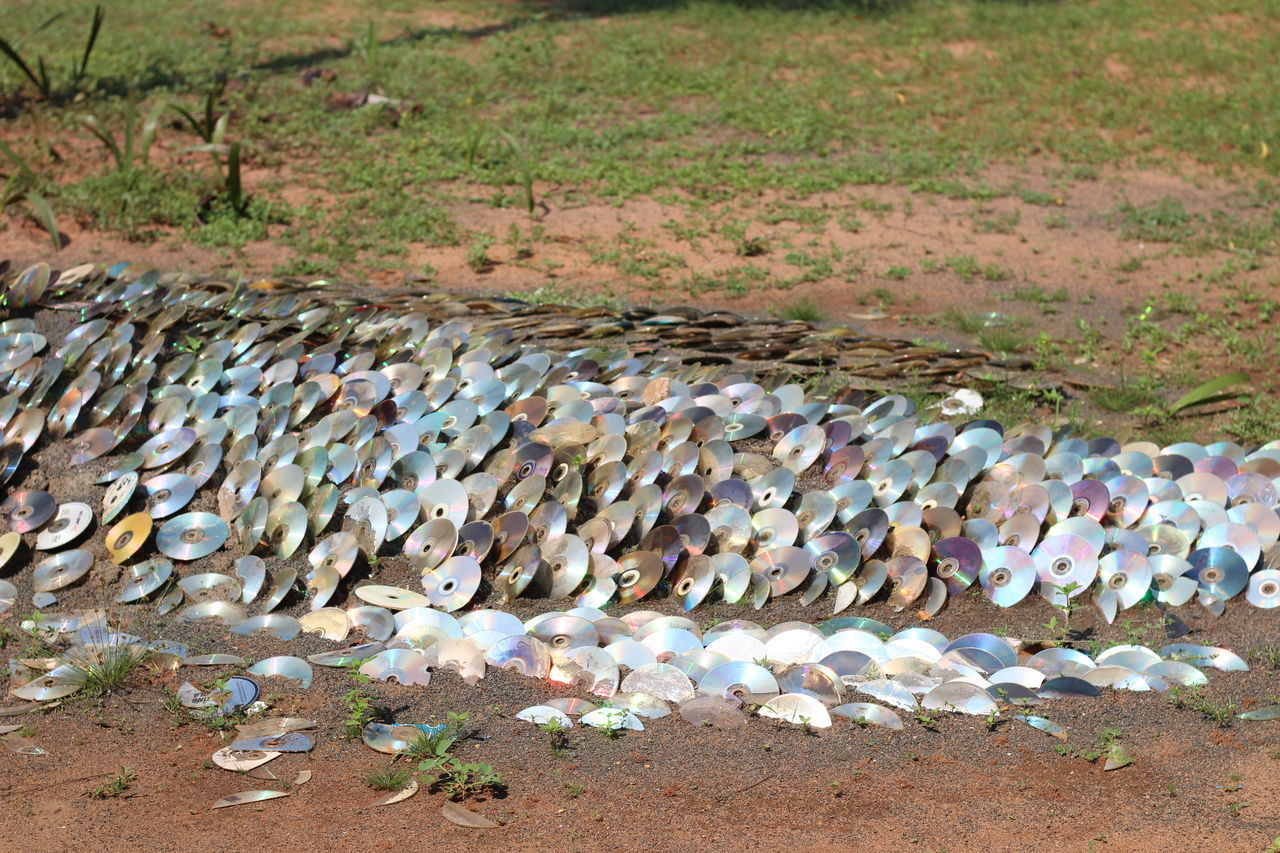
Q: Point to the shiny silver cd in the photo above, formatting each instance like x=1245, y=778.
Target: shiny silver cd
x=62, y=570
x=26, y=511
x=837, y=554
x=165, y=447
x=1219, y=572
x=168, y=493
x=192, y=535
x=1007, y=575
x=1264, y=589
x=453, y=584
x=1066, y=566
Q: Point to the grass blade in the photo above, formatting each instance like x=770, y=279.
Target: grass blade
x=94, y=28
x=8, y=50
x=190, y=119
x=13, y=157
x=48, y=23
x=106, y=139
x=235, y=192
x=149, y=128
x=1209, y=392
x=44, y=212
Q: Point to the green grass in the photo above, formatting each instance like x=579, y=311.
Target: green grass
x=521, y=104
x=388, y=777
x=103, y=669
x=803, y=310
x=115, y=786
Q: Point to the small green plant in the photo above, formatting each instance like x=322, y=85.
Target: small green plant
x=1266, y=656
x=478, y=255
x=19, y=186
x=368, y=48
x=209, y=126
x=611, y=728
x=39, y=75
x=555, y=730
x=133, y=152
x=523, y=162
x=803, y=310
x=573, y=791
x=115, y=786
x=751, y=247
x=1107, y=738
x=455, y=778
x=928, y=719
x=388, y=777
x=1059, y=625
x=103, y=668
x=1192, y=698
x=897, y=273
x=360, y=712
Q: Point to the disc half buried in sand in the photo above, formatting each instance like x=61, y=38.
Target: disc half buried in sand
x=192, y=535
x=453, y=584
x=391, y=597
x=9, y=543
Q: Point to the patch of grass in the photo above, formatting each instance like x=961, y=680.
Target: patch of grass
x=897, y=273
x=997, y=223
x=1038, y=295
x=1266, y=656
x=1127, y=398
x=1221, y=714
x=104, y=668
x=136, y=203
x=1002, y=339
x=1162, y=221
x=1257, y=423
x=1039, y=198
x=115, y=786
x=968, y=268
x=550, y=294
x=803, y=310
x=388, y=777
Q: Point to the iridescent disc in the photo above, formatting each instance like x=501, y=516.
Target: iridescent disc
x=192, y=535
x=1264, y=589
x=958, y=562
x=837, y=554
x=26, y=511
x=1007, y=574
x=127, y=536
x=1219, y=572
x=1066, y=566
x=62, y=570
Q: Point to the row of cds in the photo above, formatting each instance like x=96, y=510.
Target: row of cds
x=642, y=664
x=359, y=432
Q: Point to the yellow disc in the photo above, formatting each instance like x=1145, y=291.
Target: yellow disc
x=128, y=535
x=8, y=546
